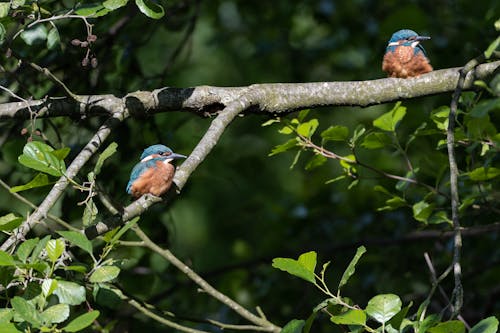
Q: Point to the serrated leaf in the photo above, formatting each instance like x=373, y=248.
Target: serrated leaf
x=24, y=250
x=283, y=147
x=104, y=274
x=350, y=317
x=452, y=326
x=81, y=322
x=55, y=314
x=351, y=268
x=6, y=259
x=78, y=239
x=150, y=9
x=114, y=4
x=69, y=292
x=293, y=326
x=40, y=180
x=335, y=133
x=26, y=310
x=383, y=307
x=38, y=155
x=55, y=248
x=482, y=173
x=295, y=268
x=487, y=325
x=390, y=120
x=10, y=222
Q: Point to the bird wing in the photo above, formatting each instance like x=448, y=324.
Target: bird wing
x=139, y=169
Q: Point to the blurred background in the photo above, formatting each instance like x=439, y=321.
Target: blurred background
x=242, y=208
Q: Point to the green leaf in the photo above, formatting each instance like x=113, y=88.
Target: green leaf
x=283, y=147
x=376, y=140
x=482, y=108
x=390, y=120
x=383, y=307
x=452, y=326
x=492, y=48
x=53, y=39
x=114, y=4
x=4, y=9
x=61, y=153
x=352, y=266
x=487, y=325
x=393, y=203
x=358, y=133
x=78, y=239
x=124, y=229
x=90, y=213
x=9, y=328
x=303, y=114
x=482, y=173
x=428, y=322
x=55, y=314
x=35, y=35
x=69, y=292
x=307, y=129
x=48, y=287
x=92, y=10
x=335, y=133
x=6, y=259
x=55, y=248
x=9, y=222
x=308, y=260
x=39, y=248
x=104, y=274
x=309, y=322
x=270, y=122
x=150, y=9
x=108, y=152
x=286, y=130
x=422, y=211
x=39, y=156
x=2, y=33
x=440, y=117
x=350, y=317
x=27, y=311
x=300, y=268
x=293, y=326
x=6, y=315
x=316, y=161
x=24, y=250
x=40, y=180
x=81, y=322
x=397, y=320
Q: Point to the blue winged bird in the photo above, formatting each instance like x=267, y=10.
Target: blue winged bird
x=154, y=173
x=405, y=56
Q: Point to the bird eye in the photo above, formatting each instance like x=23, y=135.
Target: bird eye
x=165, y=153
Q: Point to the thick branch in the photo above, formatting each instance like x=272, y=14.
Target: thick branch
x=274, y=98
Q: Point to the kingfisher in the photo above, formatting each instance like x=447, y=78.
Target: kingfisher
x=405, y=56
x=154, y=173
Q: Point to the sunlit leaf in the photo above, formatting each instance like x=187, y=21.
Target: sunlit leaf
x=482, y=173
x=4, y=10
x=487, y=325
x=55, y=314
x=24, y=250
x=26, y=310
x=308, y=260
x=376, y=140
x=35, y=35
x=70, y=292
x=114, y=4
x=6, y=315
x=108, y=152
x=383, y=307
x=293, y=326
x=335, y=133
x=40, y=180
x=81, y=322
x=150, y=9
x=422, y=211
x=389, y=120
x=104, y=274
x=39, y=156
x=10, y=222
x=77, y=238
x=6, y=259
x=351, y=268
x=307, y=129
x=48, y=287
x=53, y=39
x=350, y=317
x=492, y=48
x=55, y=248
x=300, y=269
x=90, y=213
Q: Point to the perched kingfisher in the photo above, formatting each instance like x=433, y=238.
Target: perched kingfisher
x=154, y=173
x=404, y=56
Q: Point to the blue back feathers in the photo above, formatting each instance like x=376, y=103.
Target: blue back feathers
x=155, y=149
x=408, y=37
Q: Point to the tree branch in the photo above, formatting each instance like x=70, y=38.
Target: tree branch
x=274, y=98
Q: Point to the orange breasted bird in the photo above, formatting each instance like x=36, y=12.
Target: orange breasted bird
x=405, y=56
x=154, y=173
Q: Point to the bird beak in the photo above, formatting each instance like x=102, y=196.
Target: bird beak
x=175, y=156
x=420, y=38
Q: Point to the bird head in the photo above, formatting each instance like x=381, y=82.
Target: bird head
x=406, y=37
x=159, y=151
